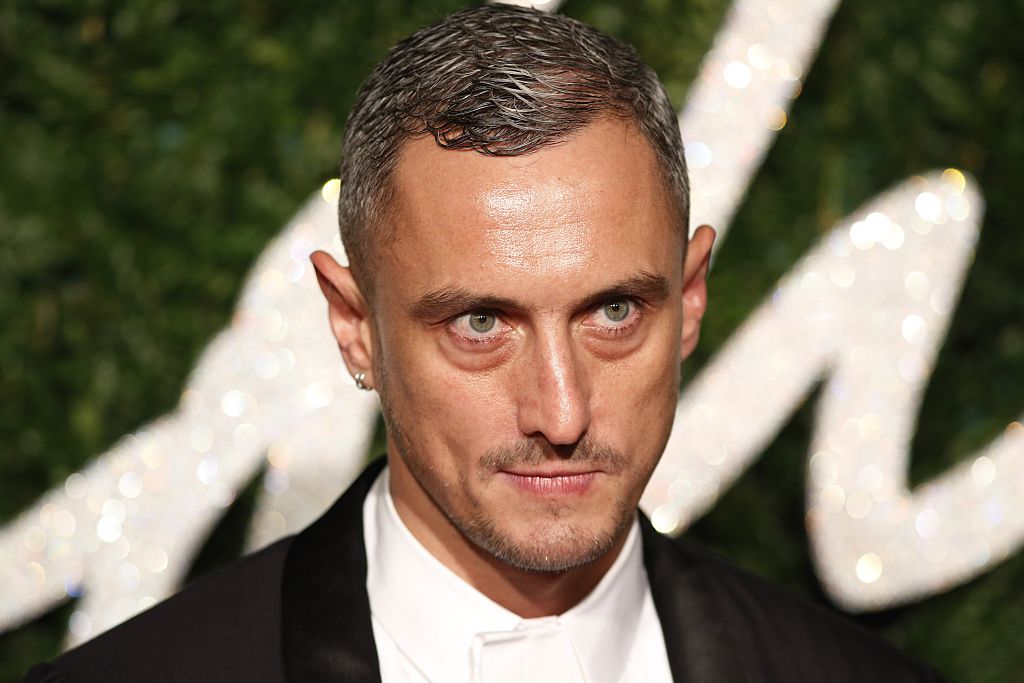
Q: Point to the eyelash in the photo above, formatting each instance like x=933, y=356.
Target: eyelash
x=635, y=315
x=450, y=327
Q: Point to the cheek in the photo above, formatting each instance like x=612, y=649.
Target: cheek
x=452, y=416
x=637, y=396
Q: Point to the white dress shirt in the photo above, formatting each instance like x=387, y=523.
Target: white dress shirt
x=431, y=626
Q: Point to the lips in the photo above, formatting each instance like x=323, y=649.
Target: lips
x=551, y=483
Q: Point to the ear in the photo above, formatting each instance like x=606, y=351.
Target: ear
x=348, y=314
x=695, y=286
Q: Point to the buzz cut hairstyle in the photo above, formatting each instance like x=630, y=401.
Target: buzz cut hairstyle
x=501, y=80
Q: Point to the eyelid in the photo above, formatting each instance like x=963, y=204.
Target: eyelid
x=635, y=304
x=499, y=331
x=631, y=320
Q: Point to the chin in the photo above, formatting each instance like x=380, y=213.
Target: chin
x=550, y=546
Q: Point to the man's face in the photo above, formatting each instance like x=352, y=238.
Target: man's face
x=526, y=322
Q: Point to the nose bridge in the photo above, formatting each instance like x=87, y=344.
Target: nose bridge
x=555, y=402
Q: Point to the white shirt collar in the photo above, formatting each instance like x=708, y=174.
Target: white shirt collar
x=433, y=615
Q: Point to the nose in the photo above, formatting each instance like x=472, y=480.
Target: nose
x=554, y=400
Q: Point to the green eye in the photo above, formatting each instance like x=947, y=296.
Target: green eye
x=481, y=322
x=617, y=311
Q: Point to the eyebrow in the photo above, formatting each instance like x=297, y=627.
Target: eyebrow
x=447, y=301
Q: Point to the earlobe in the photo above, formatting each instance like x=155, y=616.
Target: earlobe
x=695, y=287
x=348, y=315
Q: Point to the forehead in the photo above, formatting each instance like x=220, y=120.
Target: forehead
x=589, y=209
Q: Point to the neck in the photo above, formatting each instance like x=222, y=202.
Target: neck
x=527, y=594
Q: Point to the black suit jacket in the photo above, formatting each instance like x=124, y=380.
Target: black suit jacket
x=298, y=611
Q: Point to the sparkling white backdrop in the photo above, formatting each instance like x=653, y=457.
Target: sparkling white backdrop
x=867, y=308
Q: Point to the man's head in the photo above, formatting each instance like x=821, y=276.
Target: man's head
x=514, y=188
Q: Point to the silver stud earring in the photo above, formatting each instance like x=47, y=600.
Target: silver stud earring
x=360, y=378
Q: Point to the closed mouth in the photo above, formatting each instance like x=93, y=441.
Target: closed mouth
x=551, y=482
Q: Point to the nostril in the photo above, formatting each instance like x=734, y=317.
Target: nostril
x=565, y=451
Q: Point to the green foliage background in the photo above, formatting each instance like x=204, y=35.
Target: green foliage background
x=150, y=149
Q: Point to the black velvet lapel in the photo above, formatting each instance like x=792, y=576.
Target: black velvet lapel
x=700, y=646
x=326, y=632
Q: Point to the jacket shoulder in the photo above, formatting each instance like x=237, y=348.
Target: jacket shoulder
x=789, y=638
x=224, y=627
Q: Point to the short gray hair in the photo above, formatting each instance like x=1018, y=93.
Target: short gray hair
x=501, y=80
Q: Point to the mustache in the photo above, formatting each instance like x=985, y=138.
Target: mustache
x=535, y=452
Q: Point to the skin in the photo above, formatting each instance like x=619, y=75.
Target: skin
x=519, y=447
